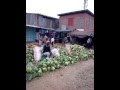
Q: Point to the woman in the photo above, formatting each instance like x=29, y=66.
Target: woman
x=67, y=44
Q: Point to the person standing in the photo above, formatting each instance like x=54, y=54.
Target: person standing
x=67, y=44
x=52, y=41
x=45, y=36
x=89, y=40
x=44, y=39
x=47, y=40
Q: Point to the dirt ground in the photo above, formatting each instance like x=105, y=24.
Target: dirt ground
x=79, y=76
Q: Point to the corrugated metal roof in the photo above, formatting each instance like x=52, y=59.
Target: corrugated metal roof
x=43, y=15
x=47, y=28
x=61, y=30
x=76, y=12
x=33, y=26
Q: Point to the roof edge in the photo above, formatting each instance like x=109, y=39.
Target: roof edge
x=76, y=12
x=42, y=15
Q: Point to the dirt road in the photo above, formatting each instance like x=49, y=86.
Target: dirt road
x=79, y=76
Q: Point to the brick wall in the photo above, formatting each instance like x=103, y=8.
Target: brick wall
x=89, y=23
x=80, y=21
x=77, y=21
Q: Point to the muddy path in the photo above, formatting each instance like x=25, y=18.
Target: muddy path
x=79, y=76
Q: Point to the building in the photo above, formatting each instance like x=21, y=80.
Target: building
x=81, y=23
x=39, y=24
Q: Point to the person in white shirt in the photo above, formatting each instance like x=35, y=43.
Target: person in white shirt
x=37, y=52
x=52, y=41
x=45, y=36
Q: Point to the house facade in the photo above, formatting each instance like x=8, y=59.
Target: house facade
x=39, y=24
x=83, y=21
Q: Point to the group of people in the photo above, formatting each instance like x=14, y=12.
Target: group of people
x=46, y=47
x=43, y=39
x=43, y=48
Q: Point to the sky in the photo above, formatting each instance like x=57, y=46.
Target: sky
x=54, y=7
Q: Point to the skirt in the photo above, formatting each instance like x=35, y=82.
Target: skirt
x=68, y=48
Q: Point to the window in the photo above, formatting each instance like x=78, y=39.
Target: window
x=70, y=21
